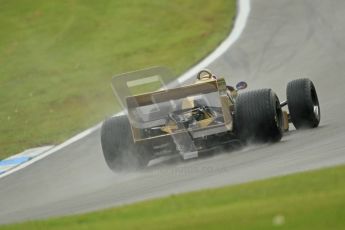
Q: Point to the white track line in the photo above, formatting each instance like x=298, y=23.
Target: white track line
x=243, y=9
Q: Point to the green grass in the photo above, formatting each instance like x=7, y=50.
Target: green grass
x=57, y=58
x=311, y=200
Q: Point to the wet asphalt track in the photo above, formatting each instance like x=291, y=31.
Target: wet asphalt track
x=283, y=39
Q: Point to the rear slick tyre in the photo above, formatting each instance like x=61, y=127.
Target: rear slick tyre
x=258, y=116
x=119, y=150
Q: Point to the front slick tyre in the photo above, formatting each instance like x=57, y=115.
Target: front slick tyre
x=119, y=150
x=303, y=103
x=258, y=116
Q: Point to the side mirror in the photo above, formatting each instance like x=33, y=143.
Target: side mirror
x=241, y=85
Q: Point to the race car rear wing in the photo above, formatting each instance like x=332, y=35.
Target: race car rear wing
x=151, y=109
x=171, y=94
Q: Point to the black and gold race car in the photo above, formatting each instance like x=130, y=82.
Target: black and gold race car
x=199, y=117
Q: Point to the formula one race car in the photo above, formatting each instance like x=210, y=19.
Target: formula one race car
x=198, y=117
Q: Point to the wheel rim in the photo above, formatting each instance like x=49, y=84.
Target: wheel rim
x=316, y=107
x=316, y=111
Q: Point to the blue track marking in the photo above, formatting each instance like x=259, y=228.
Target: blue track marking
x=10, y=164
x=14, y=161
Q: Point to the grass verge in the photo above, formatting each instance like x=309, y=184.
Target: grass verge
x=57, y=58
x=310, y=200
